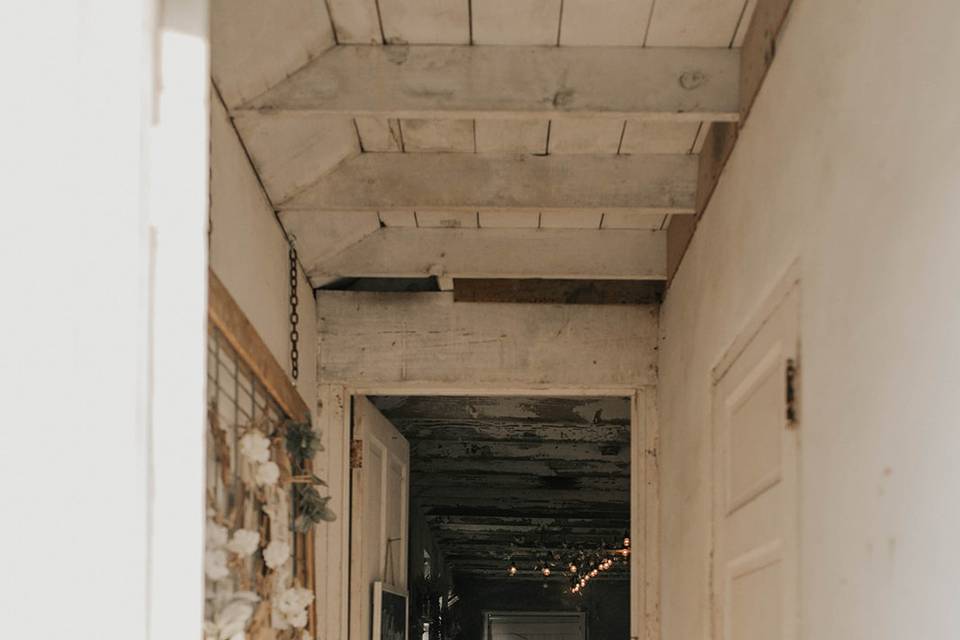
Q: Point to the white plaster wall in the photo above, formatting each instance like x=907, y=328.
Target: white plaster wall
x=248, y=252
x=850, y=162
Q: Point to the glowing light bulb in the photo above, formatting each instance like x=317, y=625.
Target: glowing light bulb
x=593, y=574
x=626, y=542
x=572, y=568
x=513, y=569
x=546, y=572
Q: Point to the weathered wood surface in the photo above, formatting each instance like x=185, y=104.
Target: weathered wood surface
x=486, y=253
x=409, y=81
x=485, y=431
x=520, y=450
x=384, y=339
x=558, y=468
x=472, y=181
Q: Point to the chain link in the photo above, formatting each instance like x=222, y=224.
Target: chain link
x=294, y=315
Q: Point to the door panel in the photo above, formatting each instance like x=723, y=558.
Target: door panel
x=755, y=573
x=378, y=514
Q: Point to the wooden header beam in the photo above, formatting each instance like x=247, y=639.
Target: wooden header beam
x=382, y=339
x=486, y=253
x=656, y=184
x=431, y=81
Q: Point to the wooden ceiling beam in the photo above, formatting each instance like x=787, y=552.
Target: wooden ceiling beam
x=488, y=253
x=499, y=431
x=513, y=82
x=546, y=468
x=469, y=182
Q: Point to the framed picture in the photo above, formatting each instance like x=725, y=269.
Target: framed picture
x=390, y=614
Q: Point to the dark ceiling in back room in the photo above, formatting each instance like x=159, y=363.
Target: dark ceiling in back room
x=515, y=478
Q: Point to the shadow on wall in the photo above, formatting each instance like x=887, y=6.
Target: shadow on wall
x=607, y=604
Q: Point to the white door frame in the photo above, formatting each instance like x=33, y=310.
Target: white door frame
x=333, y=546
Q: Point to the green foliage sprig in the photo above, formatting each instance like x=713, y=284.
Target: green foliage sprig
x=310, y=507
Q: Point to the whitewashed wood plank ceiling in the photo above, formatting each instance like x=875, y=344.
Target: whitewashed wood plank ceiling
x=313, y=90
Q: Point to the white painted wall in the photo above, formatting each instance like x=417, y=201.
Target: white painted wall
x=102, y=332
x=850, y=162
x=248, y=252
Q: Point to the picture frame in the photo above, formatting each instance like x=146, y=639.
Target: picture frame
x=391, y=612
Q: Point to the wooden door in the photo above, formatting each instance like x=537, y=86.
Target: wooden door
x=380, y=476
x=755, y=460
x=535, y=626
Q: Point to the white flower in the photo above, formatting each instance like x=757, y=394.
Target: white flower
x=276, y=554
x=290, y=607
x=230, y=622
x=267, y=474
x=215, y=564
x=255, y=447
x=298, y=620
x=244, y=542
x=216, y=535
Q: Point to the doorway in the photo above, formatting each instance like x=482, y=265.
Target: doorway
x=477, y=503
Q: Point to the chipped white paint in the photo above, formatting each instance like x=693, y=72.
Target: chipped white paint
x=511, y=136
x=379, y=135
x=257, y=43
x=614, y=23
x=424, y=338
x=290, y=151
x=657, y=184
x=437, y=135
x=485, y=253
x=515, y=82
x=659, y=137
x=506, y=22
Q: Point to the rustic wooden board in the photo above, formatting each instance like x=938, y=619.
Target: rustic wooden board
x=514, y=82
x=512, y=136
x=356, y=21
x=651, y=184
x=376, y=338
x=443, y=136
x=440, y=219
x=619, y=23
x=290, y=152
x=514, y=22
x=659, y=137
x=379, y=135
x=254, y=45
x=585, y=136
x=425, y=21
x=484, y=253
x=695, y=23
x=558, y=291
x=556, y=219
x=508, y=219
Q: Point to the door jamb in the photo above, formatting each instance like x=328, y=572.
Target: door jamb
x=333, y=543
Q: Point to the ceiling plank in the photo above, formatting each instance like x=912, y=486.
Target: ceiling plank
x=520, y=450
x=488, y=253
x=639, y=183
x=549, y=468
x=559, y=291
x=486, y=430
x=410, y=81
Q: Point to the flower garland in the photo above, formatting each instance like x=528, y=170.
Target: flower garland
x=266, y=607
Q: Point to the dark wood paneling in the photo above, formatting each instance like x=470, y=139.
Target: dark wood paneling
x=548, y=291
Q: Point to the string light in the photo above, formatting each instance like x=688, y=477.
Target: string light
x=513, y=569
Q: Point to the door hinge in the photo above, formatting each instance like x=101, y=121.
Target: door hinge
x=356, y=454
x=791, y=382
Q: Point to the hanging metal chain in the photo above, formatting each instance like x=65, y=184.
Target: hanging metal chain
x=294, y=315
